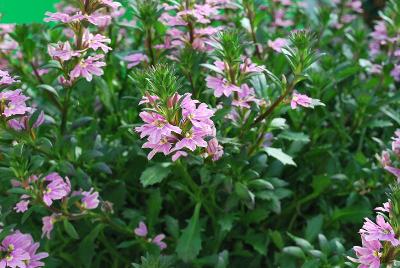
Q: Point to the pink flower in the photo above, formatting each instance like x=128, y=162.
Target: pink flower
x=6, y=79
x=394, y=171
x=279, y=19
x=249, y=67
x=198, y=116
x=178, y=155
x=57, y=188
x=62, y=51
x=369, y=254
x=395, y=73
x=386, y=207
x=99, y=19
x=14, y=103
x=246, y=96
x=278, y=44
x=141, y=230
x=34, y=260
x=158, y=240
x=302, y=100
x=384, y=159
x=23, y=122
x=110, y=3
x=163, y=146
x=214, y=150
x=381, y=230
x=172, y=20
x=48, y=225
x=21, y=206
x=192, y=139
x=63, y=17
x=355, y=5
x=14, y=250
x=89, y=67
x=221, y=86
x=90, y=199
x=96, y=41
x=156, y=127
x=135, y=59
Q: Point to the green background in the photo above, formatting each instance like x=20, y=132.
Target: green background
x=25, y=11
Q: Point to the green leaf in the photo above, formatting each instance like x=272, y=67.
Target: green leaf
x=70, y=229
x=154, y=207
x=314, y=226
x=17, y=191
x=294, y=136
x=280, y=155
x=189, y=243
x=295, y=252
x=155, y=174
x=87, y=246
x=301, y=242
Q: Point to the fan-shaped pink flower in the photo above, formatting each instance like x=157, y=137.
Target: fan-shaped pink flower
x=89, y=67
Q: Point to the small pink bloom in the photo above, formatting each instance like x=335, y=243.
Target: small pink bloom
x=63, y=17
x=110, y=3
x=278, y=44
x=381, y=230
x=135, y=59
x=90, y=199
x=214, y=150
x=57, y=188
x=141, y=230
x=158, y=240
x=178, y=155
x=163, y=146
x=99, y=19
x=21, y=206
x=62, y=51
x=302, y=100
x=369, y=254
x=385, y=208
x=221, y=86
x=96, y=41
x=48, y=225
x=89, y=67
x=192, y=139
x=156, y=127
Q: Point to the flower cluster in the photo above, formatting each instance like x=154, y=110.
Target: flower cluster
x=14, y=108
x=49, y=189
x=77, y=60
x=385, y=44
x=142, y=231
x=183, y=125
x=191, y=23
x=347, y=11
x=381, y=238
x=19, y=250
x=8, y=46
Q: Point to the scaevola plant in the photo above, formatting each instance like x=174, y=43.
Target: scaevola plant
x=83, y=57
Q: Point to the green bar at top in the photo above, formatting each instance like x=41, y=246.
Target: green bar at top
x=25, y=11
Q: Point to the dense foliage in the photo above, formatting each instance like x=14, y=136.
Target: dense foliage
x=213, y=133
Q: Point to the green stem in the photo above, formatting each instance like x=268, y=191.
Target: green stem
x=64, y=112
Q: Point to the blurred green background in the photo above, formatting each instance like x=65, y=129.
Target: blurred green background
x=25, y=11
